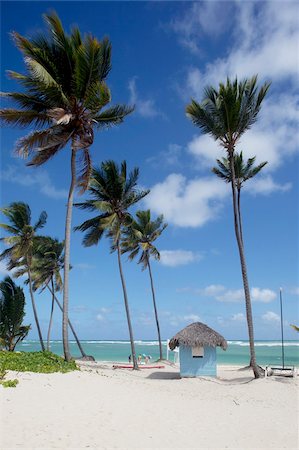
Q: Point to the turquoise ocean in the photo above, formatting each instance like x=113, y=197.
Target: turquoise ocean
x=237, y=353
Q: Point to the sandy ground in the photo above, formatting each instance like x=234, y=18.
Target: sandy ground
x=101, y=408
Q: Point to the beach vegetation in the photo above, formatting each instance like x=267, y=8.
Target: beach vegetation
x=226, y=114
x=41, y=362
x=64, y=99
x=21, y=243
x=12, y=312
x=138, y=239
x=9, y=383
x=113, y=191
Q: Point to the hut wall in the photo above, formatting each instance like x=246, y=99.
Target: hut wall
x=196, y=367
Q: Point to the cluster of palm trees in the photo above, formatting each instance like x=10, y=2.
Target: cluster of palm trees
x=65, y=98
x=113, y=192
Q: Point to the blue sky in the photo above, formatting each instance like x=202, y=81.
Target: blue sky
x=164, y=53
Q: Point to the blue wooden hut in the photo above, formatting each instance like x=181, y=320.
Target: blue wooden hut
x=197, y=344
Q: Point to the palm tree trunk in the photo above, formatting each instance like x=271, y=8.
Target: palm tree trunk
x=70, y=325
x=253, y=363
x=68, y=225
x=135, y=365
x=34, y=309
x=51, y=316
x=155, y=309
x=239, y=215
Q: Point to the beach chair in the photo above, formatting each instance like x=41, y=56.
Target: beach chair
x=290, y=371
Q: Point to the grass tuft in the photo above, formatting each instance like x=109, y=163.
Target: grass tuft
x=9, y=383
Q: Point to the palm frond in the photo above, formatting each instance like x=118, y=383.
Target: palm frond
x=21, y=118
x=112, y=116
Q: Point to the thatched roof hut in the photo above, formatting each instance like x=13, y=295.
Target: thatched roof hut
x=197, y=335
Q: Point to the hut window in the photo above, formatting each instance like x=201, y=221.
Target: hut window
x=197, y=352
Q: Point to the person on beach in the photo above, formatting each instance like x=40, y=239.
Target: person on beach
x=130, y=358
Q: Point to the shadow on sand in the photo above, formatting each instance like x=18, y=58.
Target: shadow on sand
x=164, y=376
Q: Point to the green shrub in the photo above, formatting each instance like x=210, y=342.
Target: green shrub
x=41, y=362
x=9, y=383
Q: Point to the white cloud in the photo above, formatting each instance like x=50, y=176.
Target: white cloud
x=192, y=318
x=271, y=316
x=231, y=295
x=105, y=310
x=201, y=18
x=169, y=157
x=223, y=294
x=187, y=203
x=239, y=317
x=174, y=258
x=145, y=108
x=266, y=185
x=33, y=178
x=100, y=317
x=262, y=295
x=262, y=33
x=212, y=290
x=265, y=41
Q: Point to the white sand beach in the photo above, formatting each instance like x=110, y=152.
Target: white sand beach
x=102, y=408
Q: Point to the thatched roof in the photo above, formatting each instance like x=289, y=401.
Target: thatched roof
x=197, y=335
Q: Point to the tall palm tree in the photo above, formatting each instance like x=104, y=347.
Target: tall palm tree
x=243, y=172
x=139, y=238
x=226, y=114
x=112, y=193
x=64, y=93
x=22, y=241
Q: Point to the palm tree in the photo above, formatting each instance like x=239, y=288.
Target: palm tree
x=47, y=264
x=243, y=172
x=226, y=114
x=12, y=312
x=112, y=193
x=64, y=94
x=139, y=237
x=22, y=241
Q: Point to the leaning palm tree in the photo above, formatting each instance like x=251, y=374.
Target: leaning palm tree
x=112, y=193
x=22, y=241
x=46, y=267
x=243, y=172
x=47, y=264
x=64, y=93
x=226, y=114
x=139, y=238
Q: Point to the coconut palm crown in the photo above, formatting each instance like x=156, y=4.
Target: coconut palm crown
x=243, y=171
x=112, y=192
x=64, y=94
x=140, y=235
x=226, y=113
